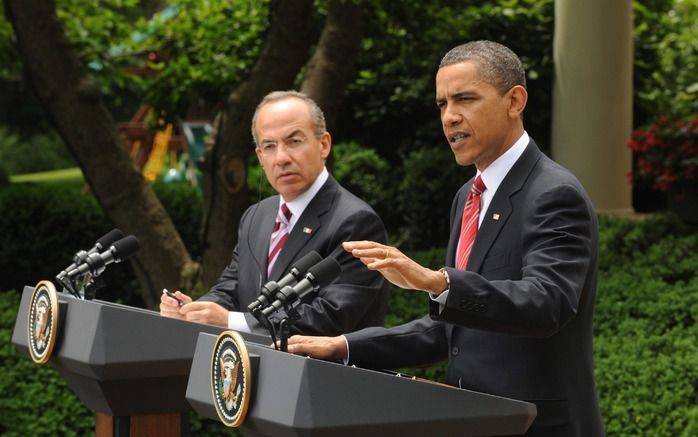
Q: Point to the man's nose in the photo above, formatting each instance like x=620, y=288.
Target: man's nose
x=450, y=117
x=282, y=155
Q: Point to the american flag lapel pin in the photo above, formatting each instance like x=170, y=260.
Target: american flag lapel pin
x=307, y=231
x=495, y=216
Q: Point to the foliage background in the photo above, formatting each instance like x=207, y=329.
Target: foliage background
x=190, y=55
x=391, y=153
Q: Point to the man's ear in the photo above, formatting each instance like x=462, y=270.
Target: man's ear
x=325, y=145
x=517, y=101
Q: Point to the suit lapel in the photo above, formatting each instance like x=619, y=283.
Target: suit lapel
x=307, y=226
x=500, y=207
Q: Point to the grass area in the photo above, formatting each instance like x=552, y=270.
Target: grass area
x=72, y=174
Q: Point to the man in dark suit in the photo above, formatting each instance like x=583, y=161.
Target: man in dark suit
x=311, y=212
x=512, y=310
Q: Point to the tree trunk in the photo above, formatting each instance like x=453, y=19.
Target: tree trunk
x=331, y=68
x=74, y=104
x=285, y=49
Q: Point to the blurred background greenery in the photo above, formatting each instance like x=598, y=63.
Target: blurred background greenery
x=388, y=150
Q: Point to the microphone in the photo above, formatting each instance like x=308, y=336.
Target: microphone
x=96, y=263
x=102, y=243
x=296, y=273
x=319, y=275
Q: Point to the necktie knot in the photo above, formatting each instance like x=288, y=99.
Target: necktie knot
x=285, y=212
x=282, y=217
x=478, y=186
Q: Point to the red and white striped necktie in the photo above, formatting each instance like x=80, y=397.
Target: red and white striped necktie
x=279, y=235
x=469, y=224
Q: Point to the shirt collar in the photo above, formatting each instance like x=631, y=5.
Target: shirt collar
x=495, y=173
x=298, y=205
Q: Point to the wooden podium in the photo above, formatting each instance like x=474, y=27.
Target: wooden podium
x=296, y=396
x=130, y=365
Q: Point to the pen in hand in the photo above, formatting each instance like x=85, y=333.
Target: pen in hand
x=172, y=295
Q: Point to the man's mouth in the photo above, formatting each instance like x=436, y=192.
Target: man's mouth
x=285, y=175
x=457, y=137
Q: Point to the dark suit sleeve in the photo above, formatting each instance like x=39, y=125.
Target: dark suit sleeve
x=419, y=342
x=225, y=291
x=534, y=287
x=358, y=297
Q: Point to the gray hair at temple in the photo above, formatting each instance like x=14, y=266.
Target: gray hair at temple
x=316, y=115
x=497, y=64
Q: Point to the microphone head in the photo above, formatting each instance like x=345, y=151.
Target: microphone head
x=125, y=247
x=307, y=261
x=109, y=238
x=299, y=269
x=325, y=271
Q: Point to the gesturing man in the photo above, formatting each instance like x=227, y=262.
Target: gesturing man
x=512, y=309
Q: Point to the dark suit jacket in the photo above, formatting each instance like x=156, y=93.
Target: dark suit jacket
x=356, y=299
x=518, y=321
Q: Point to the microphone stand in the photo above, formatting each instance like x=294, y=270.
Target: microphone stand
x=84, y=286
x=91, y=288
x=285, y=324
x=283, y=327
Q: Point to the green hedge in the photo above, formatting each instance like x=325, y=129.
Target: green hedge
x=35, y=400
x=42, y=226
x=35, y=153
x=646, y=339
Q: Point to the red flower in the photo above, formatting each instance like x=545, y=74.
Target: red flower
x=666, y=152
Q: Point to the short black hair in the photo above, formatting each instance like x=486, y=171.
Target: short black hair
x=497, y=64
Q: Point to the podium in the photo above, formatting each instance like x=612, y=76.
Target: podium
x=128, y=364
x=299, y=396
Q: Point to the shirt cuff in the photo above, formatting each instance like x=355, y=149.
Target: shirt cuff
x=441, y=298
x=346, y=360
x=237, y=322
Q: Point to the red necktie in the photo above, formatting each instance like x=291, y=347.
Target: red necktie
x=279, y=235
x=469, y=224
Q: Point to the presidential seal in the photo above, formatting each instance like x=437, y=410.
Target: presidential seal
x=42, y=322
x=231, y=378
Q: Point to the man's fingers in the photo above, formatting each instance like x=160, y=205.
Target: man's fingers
x=378, y=253
x=205, y=312
x=167, y=313
x=195, y=306
x=168, y=304
x=353, y=245
x=183, y=297
x=318, y=347
x=200, y=315
x=301, y=343
x=173, y=303
x=170, y=311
